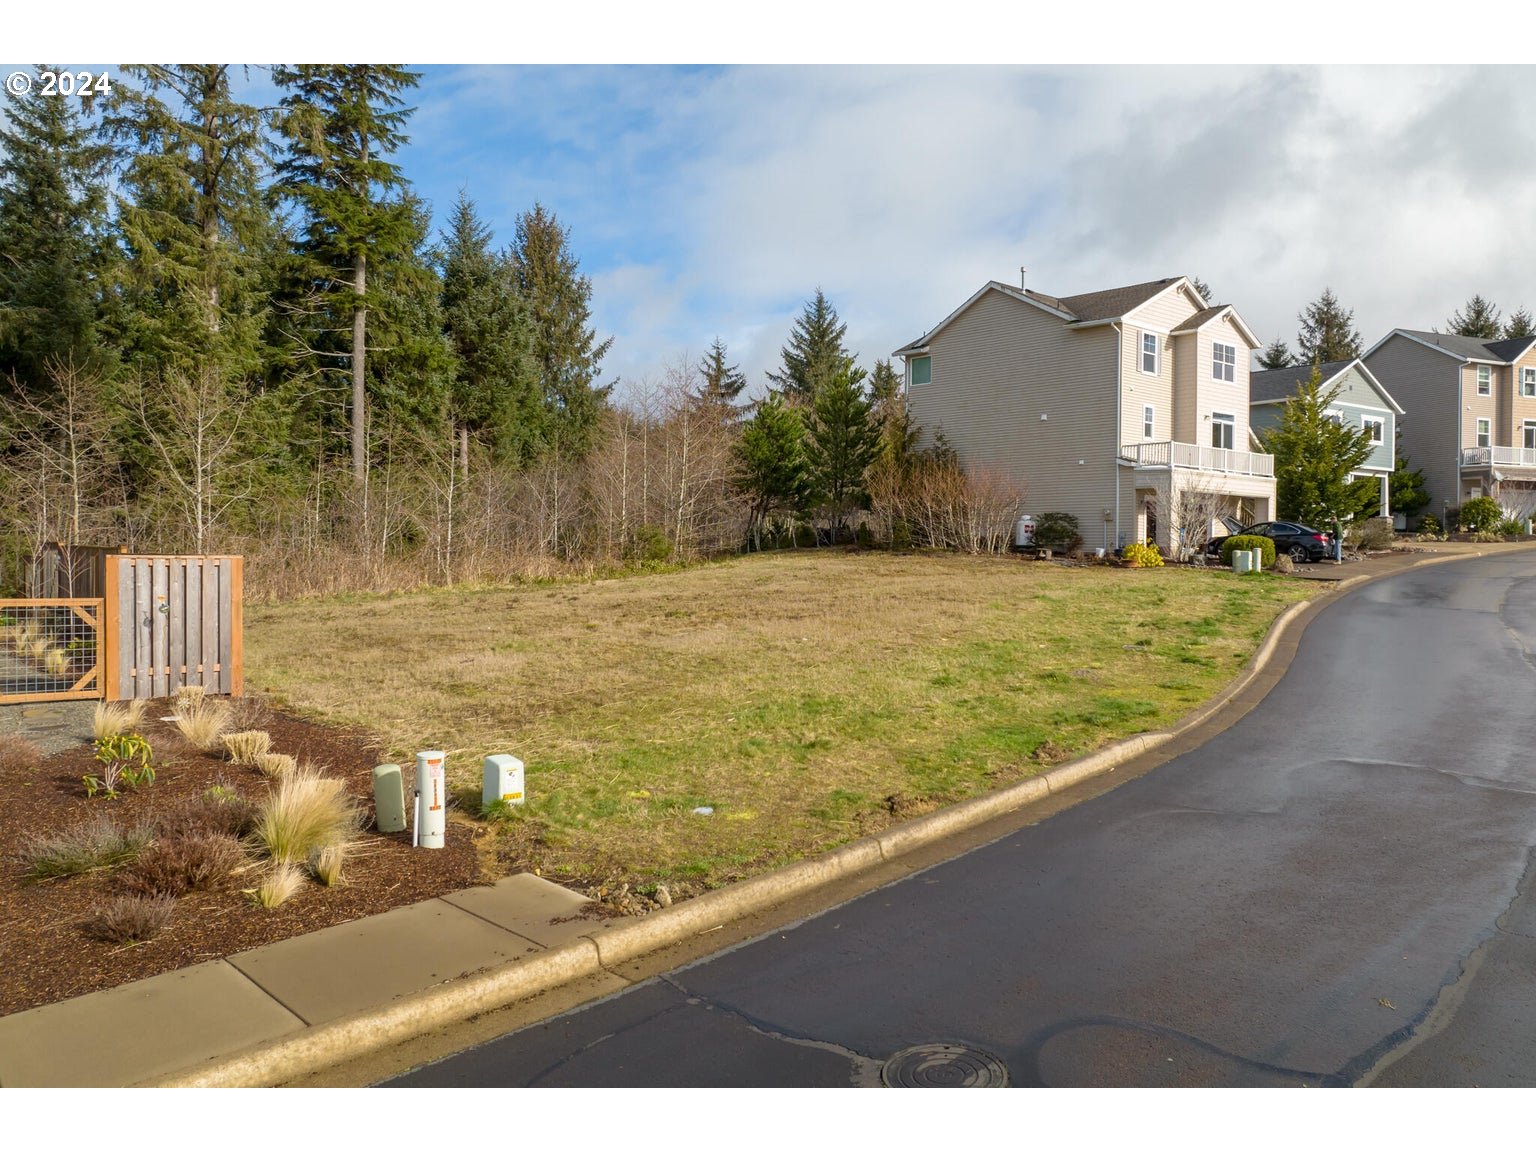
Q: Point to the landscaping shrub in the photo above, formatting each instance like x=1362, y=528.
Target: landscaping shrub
x=306, y=811
x=1264, y=544
x=219, y=811
x=117, y=718
x=130, y=918
x=281, y=885
x=202, y=720
x=1479, y=514
x=1482, y=537
x=125, y=759
x=246, y=747
x=1143, y=555
x=17, y=753
x=1373, y=535
x=171, y=867
x=1058, y=531
x=99, y=842
x=275, y=764
x=1511, y=527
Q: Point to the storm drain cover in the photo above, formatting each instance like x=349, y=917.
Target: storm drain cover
x=943, y=1066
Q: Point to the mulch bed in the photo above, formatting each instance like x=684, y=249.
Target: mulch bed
x=46, y=953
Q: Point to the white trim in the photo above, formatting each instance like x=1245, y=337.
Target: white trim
x=1381, y=426
x=1149, y=421
x=1157, y=351
x=1220, y=362
x=1477, y=432
x=919, y=346
x=1228, y=311
x=1522, y=382
x=1484, y=384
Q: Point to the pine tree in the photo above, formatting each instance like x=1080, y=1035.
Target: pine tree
x=888, y=410
x=815, y=352
x=495, y=394
x=841, y=443
x=197, y=229
x=1327, y=332
x=53, y=253
x=1519, y=324
x=565, y=347
x=1480, y=320
x=770, y=466
x=1203, y=288
x=1276, y=355
x=720, y=383
x=1314, y=455
x=340, y=121
x=1406, y=491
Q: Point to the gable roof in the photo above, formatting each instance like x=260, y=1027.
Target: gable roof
x=1206, y=315
x=1467, y=349
x=1276, y=385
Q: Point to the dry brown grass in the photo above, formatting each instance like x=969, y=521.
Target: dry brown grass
x=275, y=765
x=804, y=697
x=117, y=717
x=325, y=863
x=280, y=886
x=127, y=919
x=18, y=753
x=202, y=721
x=246, y=748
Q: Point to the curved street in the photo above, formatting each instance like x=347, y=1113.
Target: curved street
x=1332, y=891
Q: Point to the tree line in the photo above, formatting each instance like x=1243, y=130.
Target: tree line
x=230, y=327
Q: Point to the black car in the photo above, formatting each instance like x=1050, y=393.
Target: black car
x=1298, y=541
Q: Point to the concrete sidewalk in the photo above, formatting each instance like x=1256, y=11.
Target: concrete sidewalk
x=278, y=1013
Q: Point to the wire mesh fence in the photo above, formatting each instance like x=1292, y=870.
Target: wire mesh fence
x=50, y=650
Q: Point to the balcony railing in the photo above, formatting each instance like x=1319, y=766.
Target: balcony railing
x=1498, y=456
x=1172, y=454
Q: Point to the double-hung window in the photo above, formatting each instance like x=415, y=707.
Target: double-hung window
x=1528, y=381
x=1223, y=361
x=1222, y=424
x=1375, y=426
x=921, y=369
x=1148, y=419
x=1484, y=432
x=1484, y=380
x=1149, y=353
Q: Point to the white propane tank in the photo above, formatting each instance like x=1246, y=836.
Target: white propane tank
x=1024, y=532
x=431, y=799
x=503, y=780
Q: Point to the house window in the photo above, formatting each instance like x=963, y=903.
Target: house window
x=1484, y=432
x=920, y=370
x=1484, y=380
x=1147, y=414
x=1149, y=352
x=1223, y=361
x=1528, y=430
x=1375, y=427
x=1221, y=429
x=1528, y=381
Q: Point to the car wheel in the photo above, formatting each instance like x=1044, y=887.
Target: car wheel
x=1298, y=554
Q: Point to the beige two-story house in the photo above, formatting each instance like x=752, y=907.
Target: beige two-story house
x=1116, y=406
x=1471, y=422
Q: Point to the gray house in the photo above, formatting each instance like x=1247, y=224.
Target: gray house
x=1359, y=401
x=1472, y=414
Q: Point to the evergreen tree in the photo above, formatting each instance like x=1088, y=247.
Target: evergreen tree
x=888, y=410
x=1276, y=355
x=1203, y=288
x=1314, y=455
x=565, y=348
x=53, y=254
x=770, y=465
x=720, y=383
x=815, y=352
x=197, y=228
x=1519, y=324
x=340, y=121
x=1327, y=331
x=841, y=443
x=495, y=394
x=1406, y=492
x=1480, y=319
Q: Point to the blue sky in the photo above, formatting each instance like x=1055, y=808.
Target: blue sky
x=710, y=200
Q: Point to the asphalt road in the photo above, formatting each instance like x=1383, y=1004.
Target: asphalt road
x=1335, y=890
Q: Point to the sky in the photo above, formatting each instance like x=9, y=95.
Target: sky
x=711, y=201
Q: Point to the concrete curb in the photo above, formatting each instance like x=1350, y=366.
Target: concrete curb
x=320, y=1047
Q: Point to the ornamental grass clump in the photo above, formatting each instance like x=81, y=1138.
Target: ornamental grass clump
x=202, y=721
x=246, y=747
x=280, y=886
x=325, y=863
x=99, y=842
x=17, y=752
x=305, y=812
x=275, y=765
x=117, y=718
x=129, y=919
x=183, y=864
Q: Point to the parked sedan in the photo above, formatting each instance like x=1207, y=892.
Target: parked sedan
x=1298, y=541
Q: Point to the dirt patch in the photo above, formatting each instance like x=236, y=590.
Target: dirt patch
x=46, y=953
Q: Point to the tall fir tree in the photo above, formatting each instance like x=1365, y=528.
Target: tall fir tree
x=495, y=395
x=1203, y=288
x=720, y=382
x=1314, y=456
x=566, y=350
x=841, y=442
x=1277, y=354
x=814, y=353
x=1479, y=319
x=1519, y=324
x=769, y=466
x=197, y=229
x=1327, y=331
x=54, y=252
x=340, y=122
x=898, y=433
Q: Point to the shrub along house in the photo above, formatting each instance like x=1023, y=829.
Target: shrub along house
x=1472, y=414
x=1359, y=401
x=1127, y=408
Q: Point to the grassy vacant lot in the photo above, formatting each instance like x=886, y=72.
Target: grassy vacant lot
x=807, y=698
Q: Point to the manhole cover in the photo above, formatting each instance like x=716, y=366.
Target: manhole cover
x=943, y=1066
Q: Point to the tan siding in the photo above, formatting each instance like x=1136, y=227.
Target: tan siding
x=1423, y=382
x=1166, y=311
x=1186, y=389
x=1522, y=408
x=1142, y=388
x=1475, y=407
x=996, y=368
x=1218, y=395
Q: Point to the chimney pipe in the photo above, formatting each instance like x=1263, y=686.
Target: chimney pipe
x=1022, y=272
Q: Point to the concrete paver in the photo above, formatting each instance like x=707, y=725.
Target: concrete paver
x=545, y=913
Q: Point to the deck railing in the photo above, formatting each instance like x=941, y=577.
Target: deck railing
x=1500, y=456
x=1172, y=453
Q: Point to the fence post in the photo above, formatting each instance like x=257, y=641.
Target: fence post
x=110, y=627
x=236, y=626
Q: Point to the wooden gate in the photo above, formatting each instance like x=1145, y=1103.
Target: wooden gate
x=170, y=621
x=50, y=649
